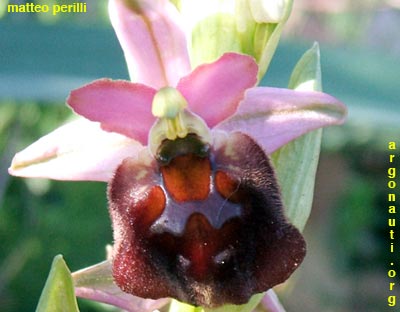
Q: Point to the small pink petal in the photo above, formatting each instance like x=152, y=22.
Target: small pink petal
x=214, y=90
x=274, y=116
x=79, y=150
x=120, y=106
x=152, y=39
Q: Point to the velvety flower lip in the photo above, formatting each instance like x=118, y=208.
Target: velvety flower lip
x=206, y=227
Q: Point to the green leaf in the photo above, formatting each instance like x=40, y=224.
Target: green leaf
x=306, y=74
x=58, y=294
x=296, y=163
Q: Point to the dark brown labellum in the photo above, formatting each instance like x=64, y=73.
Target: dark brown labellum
x=202, y=224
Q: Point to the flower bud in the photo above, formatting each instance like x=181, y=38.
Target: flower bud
x=251, y=27
x=267, y=11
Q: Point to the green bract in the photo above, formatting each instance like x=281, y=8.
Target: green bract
x=296, y=163
x=58, y=293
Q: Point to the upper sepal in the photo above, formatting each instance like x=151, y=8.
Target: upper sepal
x=153, y=40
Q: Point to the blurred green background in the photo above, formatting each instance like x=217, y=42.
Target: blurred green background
x=43, y=57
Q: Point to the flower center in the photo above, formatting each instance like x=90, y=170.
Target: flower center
x=168, y=105
x=174, y=119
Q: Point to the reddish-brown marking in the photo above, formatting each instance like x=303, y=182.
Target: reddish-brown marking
x=198, y=246
x=226, y=186
x=151, y=208
x=187, y=178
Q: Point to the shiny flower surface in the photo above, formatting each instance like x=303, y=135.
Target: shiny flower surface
x=194, y=202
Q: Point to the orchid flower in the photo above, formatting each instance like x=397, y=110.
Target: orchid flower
x=194, y=201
